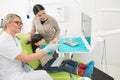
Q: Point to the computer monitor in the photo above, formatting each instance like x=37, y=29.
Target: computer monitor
x=86, y=24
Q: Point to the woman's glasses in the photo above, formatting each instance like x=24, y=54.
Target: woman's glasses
x=18, y=23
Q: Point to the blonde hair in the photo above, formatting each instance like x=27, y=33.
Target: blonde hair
x=9, y=18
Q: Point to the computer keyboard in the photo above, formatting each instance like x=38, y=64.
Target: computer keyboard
x=57, y=62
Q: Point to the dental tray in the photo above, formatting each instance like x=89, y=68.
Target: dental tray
x=70, y=43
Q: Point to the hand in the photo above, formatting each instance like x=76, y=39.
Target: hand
x=51, y=47
x=55, y=40
x=28, y=37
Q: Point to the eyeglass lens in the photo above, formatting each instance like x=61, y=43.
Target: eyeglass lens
x=19, y=23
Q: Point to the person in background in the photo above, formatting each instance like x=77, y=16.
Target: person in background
x=67, y=65
x=12, y=56
x=45, y=25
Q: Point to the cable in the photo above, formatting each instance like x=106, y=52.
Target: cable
x=104, y=56
x=71, y=78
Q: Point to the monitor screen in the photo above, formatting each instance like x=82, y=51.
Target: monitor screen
x=86, y=23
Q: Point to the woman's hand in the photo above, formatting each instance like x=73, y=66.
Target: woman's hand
x=29, y=37
x=55, y=40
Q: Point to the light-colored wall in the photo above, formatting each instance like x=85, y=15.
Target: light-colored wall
x=108, y=12
x=72, y=21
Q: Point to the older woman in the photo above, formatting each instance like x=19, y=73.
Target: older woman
x=12, y=56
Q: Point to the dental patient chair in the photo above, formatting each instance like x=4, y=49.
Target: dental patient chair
x=34, y=64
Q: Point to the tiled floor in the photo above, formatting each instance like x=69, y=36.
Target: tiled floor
x=112, y=70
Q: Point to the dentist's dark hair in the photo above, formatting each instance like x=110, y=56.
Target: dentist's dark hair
x=37, y=8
